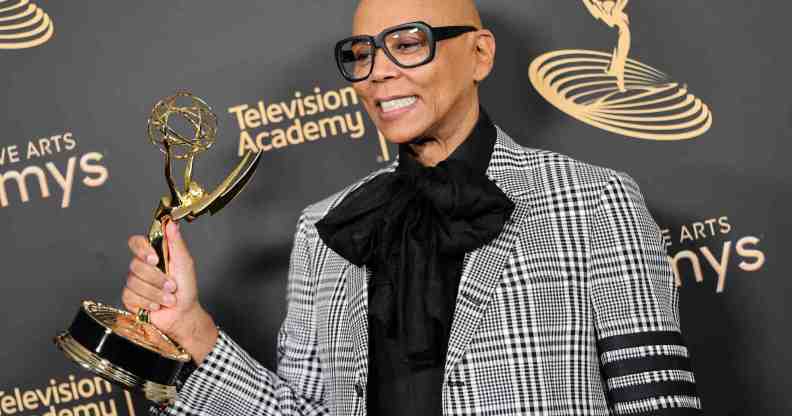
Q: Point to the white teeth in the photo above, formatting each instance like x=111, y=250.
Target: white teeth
x=397, y=103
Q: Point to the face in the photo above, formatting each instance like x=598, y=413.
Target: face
x=427, y=101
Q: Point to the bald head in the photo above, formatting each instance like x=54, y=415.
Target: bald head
x=374, y=15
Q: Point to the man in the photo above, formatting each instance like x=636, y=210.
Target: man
x=472, y=276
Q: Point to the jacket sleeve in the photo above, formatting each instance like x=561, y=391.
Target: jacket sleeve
x=230, y=382
x=644, y=361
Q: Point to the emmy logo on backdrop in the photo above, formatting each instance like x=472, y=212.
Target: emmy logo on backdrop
x=23, y=25
x=615, y=93
x=126, y=348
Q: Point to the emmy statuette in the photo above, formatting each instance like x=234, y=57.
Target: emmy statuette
x=125, y=348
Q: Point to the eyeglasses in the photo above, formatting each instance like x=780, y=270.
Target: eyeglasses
x=407, y=45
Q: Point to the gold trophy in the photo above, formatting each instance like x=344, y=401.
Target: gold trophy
x=125, y=348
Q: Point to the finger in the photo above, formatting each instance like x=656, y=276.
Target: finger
x=148, y=292
x=148, y=273
x=134, y=302
x=142, y=249
x=179, y=254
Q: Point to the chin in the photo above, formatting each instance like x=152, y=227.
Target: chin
x=403, y=131
x=400, y=136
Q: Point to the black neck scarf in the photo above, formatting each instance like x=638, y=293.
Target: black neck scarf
x=412, y=228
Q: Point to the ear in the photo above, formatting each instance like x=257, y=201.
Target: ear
x=484, y=54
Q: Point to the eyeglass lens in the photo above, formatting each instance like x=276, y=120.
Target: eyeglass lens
x=408, y=47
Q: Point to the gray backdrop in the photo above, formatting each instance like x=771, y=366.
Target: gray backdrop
x=97, y=78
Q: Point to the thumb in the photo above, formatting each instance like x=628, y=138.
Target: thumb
x=180, y=259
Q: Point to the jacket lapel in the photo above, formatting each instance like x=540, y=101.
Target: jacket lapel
x=483, y=268
x=355, y=280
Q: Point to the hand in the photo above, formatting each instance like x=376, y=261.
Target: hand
x=172, y=299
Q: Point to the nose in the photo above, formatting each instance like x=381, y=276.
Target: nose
x=384, y=68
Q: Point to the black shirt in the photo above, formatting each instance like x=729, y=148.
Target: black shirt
x=394, y=388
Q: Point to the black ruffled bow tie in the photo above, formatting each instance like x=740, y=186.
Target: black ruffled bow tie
x=412, y=227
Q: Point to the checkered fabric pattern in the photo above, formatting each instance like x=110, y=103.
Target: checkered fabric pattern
x=572, y=310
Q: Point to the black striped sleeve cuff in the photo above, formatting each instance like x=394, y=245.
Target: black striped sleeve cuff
x=649, y=373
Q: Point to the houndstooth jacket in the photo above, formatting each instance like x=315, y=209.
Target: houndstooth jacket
x=571, y=310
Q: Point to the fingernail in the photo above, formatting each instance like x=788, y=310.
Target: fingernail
x=169, y=299
x=154, y=306
x=170, y=286
x=151, y=259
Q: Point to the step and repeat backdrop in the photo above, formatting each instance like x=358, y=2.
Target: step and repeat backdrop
x=690, y=98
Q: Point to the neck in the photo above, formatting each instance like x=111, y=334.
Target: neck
x=439, y=145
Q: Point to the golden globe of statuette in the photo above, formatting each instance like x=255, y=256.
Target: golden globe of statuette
x=196, y=116
x=127, y=349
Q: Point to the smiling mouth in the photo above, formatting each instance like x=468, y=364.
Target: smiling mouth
x=397, y=103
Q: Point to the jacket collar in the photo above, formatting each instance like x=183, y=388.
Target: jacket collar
x=482, y=268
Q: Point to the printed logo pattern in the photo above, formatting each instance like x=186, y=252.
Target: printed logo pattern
x=23, y=25
x=616, y=93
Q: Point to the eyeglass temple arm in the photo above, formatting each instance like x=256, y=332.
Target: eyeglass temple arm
x=447, y=32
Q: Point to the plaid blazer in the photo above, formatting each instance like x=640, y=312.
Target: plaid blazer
x=571, y=310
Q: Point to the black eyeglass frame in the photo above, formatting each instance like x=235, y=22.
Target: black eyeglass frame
x=435, y=34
